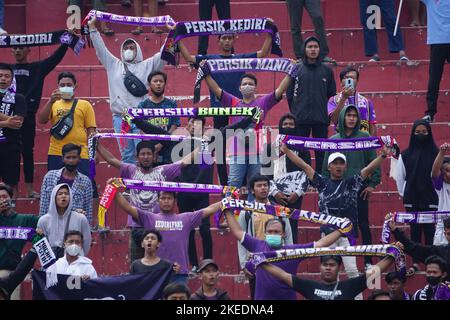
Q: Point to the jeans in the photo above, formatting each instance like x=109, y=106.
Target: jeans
x=417, y=228
x=388, y=14
x=2, y=12
x=241, y=167
x=438, y=54
x=205, y=13
x=295, y=9
x=129, y=153
x=220, y=122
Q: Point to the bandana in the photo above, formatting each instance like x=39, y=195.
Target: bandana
x=355, y=144
x=302, y=253
x=43, y=39
x=344, y=225
x=234, y=26
x=411, y=217
x=287, y=66
x=111, y=189
x=17, y=233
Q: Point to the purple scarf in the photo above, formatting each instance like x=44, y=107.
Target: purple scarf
x=302, y=253
x=17, y=233
x=354, y=144
x=411, y=217
x=191, y=112
x=283, y=65
x=215, y=27
x=344, y=225
x=173, y=186
x=159, y=21
x=43, y=39
x=92, y=143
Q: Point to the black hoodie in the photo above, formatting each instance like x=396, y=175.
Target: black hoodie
x=308, y=95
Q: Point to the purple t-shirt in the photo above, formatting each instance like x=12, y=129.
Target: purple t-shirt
x=267, y=286
x=265, y=103
x=175, y=230
x=144, y=199
x=64, y=180
x=364, y=105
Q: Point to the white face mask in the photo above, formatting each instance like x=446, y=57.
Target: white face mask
x=128, y=55
x=247, y=90
x=3, y=91
x=73, y=250
x=66, y=92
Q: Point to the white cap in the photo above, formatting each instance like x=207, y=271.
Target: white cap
x=336, y=155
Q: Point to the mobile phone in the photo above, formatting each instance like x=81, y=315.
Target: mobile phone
x=10, y=203
x=349, y=83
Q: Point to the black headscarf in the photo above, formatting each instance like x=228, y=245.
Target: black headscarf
x=418, y=160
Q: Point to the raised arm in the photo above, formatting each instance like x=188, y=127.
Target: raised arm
x=103, y=54
x=44, y=114
x=436, y=170
x=328, y=240
x=113, y=161
x=278, y=273
x=367, y=171
x=265, y=49
x=124, y=204
x=284, y=84
x=234, y=226
x=185, y=52
x=383, y=265
x=213, y=86
x=298, y=161
x=209, y=211
x=334, y=116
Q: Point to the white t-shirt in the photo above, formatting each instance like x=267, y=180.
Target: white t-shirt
x=80, y=267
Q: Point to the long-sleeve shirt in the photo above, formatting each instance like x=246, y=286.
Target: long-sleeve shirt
x=30, y=77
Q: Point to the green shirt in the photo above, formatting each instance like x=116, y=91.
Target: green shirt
x=11, y=250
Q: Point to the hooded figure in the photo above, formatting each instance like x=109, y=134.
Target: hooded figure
x=356, y=160
x=55, y=225
x=414, y=170
x=119, y=96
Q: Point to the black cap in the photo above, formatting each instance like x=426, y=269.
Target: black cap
x=311, y=38
x=206, y=263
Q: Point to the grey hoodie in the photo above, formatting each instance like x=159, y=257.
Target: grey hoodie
x=54, y=225
x=119, y=97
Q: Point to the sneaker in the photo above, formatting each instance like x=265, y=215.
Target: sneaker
x=375, y=59
x=404, y=59
x=3, y=32
x=327, y=59
x=428, y=118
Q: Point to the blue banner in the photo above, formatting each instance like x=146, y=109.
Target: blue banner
x=140, y=286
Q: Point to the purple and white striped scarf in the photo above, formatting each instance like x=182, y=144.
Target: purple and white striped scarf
x=173, y=186
x=354, y=144
x=215, y=27
x=302, y=253
x=283, y=65
x=344, y=225
x=17, y=233
x=411, y=217
x=159, y=21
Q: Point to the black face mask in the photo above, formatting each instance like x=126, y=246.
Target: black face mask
x=288, y=131
x=71, y=167
x=421, y=138
x=433, y=281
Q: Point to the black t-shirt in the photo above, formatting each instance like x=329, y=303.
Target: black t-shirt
x=16, y=108
x=138, y=267
x=345, y=290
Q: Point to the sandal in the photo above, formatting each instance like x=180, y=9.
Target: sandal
x=107, y=31
x=412, y=270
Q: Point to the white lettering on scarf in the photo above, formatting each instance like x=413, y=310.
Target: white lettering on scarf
x=164, y=225
x=14, y=233
x=41, y=38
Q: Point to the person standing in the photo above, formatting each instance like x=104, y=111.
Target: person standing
x=30, y=77
x=414, y=184
x=438, y=38
x=309, y=93
x=295, y=10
